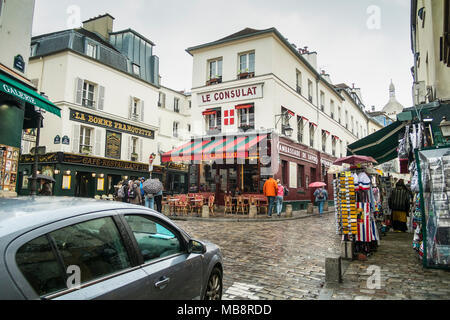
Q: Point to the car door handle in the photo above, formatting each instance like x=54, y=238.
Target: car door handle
x=162, y=283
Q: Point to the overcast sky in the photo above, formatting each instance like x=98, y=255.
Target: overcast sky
x=366, y=42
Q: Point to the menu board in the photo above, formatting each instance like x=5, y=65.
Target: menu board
x=113, y=144
x=9, y=162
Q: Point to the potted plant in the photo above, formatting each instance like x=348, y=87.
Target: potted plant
x=86, y=149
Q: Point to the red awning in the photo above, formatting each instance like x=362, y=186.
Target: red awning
x=209, y=112
x=306, y=119
x=244, y=106
x=313, y=124
x=231, y=147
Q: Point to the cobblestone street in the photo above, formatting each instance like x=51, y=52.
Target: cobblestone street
x=271, y=260
x=284, y=260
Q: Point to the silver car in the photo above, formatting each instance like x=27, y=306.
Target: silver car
x=66, y=248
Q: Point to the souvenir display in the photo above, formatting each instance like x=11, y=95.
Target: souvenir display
x=9, y=162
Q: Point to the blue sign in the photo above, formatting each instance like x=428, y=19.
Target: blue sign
x=57, y=140
x=66, y=140
x=19, y=63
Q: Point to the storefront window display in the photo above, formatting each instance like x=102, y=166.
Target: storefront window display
x=9, y=161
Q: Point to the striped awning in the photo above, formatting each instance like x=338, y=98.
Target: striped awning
x=212, y=148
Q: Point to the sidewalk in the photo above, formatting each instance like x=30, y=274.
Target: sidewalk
x=220, y=217
x=402, y=275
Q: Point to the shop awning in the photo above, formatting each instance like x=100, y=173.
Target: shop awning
x=233, y=147
x=381, y=145
x=209, y=112
x=244, y=106
x=22, y=92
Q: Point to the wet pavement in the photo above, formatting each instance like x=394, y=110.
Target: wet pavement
x=274, y=261
x=285, y=260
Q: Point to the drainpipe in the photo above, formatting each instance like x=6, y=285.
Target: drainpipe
x=319, y=169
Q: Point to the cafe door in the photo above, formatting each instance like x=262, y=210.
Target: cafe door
x=85, y=187
x=227, y=181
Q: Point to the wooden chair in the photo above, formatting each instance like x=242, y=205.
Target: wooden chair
x=241, y=205
x=228, y=204
x=262, y=204
x=183, y=204
x=198, y=204
x=211, y=199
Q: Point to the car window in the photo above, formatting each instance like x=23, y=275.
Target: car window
x=37, y=262
x=154, y=240
x=95, y=247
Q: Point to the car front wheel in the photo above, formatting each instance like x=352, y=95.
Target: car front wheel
x=214, y=287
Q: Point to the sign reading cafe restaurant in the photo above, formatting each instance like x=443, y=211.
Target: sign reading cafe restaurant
x=110, y=124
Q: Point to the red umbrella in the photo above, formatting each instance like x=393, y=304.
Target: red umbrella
x=317, y=185
x=354, y=160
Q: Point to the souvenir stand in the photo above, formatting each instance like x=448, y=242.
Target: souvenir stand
x=432, y=214
x=357, y=207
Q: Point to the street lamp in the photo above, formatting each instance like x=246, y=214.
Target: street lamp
x=286, y=129
x=33, y=190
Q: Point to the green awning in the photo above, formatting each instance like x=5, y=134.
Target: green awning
x=22, y=92
x=381, y=145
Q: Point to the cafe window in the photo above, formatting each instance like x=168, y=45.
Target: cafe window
x=176, y=105
x=299, y=82
x=162, y=100
x=175, y=129
x=88, y=94
x=246, y=65
x=251, y=179
x=85, y=140
x=322, y=101
x=215, y=70
x=300, y=175
x=312, y=131
x=213, y=119
x=300, y=129
x=247, y=116
x=310, y=91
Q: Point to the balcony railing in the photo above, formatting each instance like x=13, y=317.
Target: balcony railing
x=299, y=90
x=214, y=81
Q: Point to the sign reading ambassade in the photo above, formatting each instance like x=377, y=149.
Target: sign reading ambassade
x=298, y=154
x=110, y=124
x=254, y=91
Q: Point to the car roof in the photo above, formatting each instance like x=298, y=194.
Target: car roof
x=30, y=212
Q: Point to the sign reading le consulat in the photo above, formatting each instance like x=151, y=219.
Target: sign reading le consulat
x=110, y=124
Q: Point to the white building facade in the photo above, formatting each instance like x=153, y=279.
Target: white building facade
x=254, y=81
x=107, y=86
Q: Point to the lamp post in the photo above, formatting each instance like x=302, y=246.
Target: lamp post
x=36, y=155
x=286, y=129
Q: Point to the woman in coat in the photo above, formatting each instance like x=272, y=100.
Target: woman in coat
x=134, y=194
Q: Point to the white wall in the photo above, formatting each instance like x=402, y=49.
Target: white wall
x=16, y=20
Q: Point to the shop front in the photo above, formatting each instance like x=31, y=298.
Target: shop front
x=79, y=175
x=20, y=109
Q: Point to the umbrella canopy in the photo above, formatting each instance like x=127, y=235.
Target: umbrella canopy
x=152, y=186
x=317, y=185
x=354, y=160
x=43, y=177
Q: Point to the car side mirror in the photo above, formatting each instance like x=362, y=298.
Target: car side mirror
x=196, y=247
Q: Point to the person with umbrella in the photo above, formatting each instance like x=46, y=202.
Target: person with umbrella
x=153, y=188
x=321, y=195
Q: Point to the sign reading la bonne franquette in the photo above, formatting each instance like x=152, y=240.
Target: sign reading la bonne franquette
x=254, y=91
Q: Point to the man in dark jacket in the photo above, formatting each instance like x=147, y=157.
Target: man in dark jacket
x=399, y=203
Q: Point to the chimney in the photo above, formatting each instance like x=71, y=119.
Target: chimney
x=311, y=57
x=101, y=25
x=326, y=76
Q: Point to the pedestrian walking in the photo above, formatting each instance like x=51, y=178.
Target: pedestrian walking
x=321, y=196
x=158, y=201
x=150, y=200
x=141, y=184
x=134, y=193
x=280, y=197
x=399, y=203
x=46, y=189
x=270, y=191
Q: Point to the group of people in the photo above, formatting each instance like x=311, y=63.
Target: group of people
x=133, y=192
x=275, y=193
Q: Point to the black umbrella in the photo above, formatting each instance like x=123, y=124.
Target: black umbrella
x=152, y=186
x=43, y=177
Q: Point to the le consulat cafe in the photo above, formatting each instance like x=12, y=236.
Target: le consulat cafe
x=82, y=174
x=237, y=154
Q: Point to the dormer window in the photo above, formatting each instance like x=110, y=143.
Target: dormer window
x=91, y=50
x=136, y=69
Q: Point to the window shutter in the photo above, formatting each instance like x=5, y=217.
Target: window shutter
x=101, y=98
x=130, y=108
x=76, y=128
x=78, y=91
x=142, y=110
x=98, y=142
x=141, y=150
x=130, y=141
